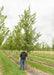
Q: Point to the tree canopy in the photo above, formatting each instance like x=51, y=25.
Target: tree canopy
x=3, y=30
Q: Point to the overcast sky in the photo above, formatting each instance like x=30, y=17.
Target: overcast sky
x=44, y=15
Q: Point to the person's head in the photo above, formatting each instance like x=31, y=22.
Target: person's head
x=23, y=50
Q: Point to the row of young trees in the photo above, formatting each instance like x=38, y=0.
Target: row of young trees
x=17, y=40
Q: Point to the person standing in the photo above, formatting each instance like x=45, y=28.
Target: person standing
x=22, y=59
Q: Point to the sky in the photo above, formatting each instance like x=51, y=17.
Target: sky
x=44, y=15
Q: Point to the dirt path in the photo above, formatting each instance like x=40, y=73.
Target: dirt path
x=28, y=69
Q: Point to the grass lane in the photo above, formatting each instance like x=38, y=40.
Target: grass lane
x=42, y=60
x=44, y=55
x=33, y=57
x=39, y=66
x=42, y=67
x=9, y=67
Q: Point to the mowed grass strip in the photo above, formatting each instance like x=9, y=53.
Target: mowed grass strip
x=42, y=60
x=9, y=67
x=36, y=58
x=17, y=57
x=33, y=57
x=41, y=67
x=39, y=54
x=12, y=52
x=0, y=68
x=44, y=55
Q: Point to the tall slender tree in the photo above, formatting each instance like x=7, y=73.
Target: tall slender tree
x=27, y=21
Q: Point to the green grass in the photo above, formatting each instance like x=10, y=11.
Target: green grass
x=9, y=67
x=17, y=57
x=12, y=52
x=36, y=58
x=42, y=67
x=42, y=60
x=44, y=55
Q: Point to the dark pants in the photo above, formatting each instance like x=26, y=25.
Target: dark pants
x=22, y=62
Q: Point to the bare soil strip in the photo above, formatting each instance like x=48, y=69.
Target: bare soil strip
x=28, y=69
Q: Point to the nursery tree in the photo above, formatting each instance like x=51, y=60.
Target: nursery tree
x=27, y=21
